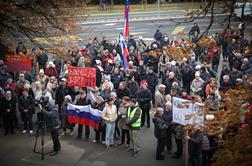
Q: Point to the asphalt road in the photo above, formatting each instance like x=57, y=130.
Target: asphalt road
x=147, y=28
x=18, y=150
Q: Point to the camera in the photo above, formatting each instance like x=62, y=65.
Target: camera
x=43, y=101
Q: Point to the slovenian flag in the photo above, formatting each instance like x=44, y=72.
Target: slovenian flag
x=126, y=19
x=84, y=115
x=125, y=51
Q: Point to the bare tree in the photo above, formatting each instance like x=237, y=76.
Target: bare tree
x=36, y=18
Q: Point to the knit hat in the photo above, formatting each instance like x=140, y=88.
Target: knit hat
x=144, y=82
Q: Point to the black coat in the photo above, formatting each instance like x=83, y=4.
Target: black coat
x=195, y=144
x=168, y=83
x=144, y=98
x=9, y=104
x=61, y=92
x=152, y=81
x=120, y=93
x=26, y=103
x=160, y=127
x=133, y=88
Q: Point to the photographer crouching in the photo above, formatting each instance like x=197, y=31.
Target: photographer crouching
x=51, y=116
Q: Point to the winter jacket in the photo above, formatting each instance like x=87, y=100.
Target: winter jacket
x=197, y=85
x=160, y=127
x=159, y=99
x=116, y=79
x=226, y=86
x=144, y=97
x=168, y=83
x=8, y=104
x=167, y=117
x=133, y=88
x=52, y=118
x=26, y=103
x=163, y=62
x=195, y=144
x=51, y=71
x=120, y=93
x=152, y=81
x=61, y=92
x=177, y=131
x=109, y=113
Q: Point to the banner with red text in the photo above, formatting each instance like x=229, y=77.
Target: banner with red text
x=18, y=63
x=81, y=76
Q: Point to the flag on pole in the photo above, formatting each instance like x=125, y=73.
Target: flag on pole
x=126, y=19
x=125, y=51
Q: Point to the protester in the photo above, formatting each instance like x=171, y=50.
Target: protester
x=26, y=107
x=65, y=123
x=167, y=117
x=109, y=115
x=122, y=113
x=82, y=100
x=133, y=121
x=144, y=97
x=100, y=133
x=195, y=146
x=159, y=132
x=9, y=112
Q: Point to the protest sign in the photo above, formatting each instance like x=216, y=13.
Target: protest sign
x=186, y=112
x=81, y=76
x=18, y=63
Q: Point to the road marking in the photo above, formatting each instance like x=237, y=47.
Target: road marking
x=178, y=29
x=58, y=39
x=111, y=24
x=137, y=33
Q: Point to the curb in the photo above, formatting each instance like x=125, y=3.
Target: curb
x=133, y=19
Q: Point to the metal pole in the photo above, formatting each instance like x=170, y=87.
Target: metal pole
x=158, y=8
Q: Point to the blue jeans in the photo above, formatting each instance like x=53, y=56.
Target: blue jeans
x=110, y=130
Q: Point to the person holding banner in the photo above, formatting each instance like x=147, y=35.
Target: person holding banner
x=178, y=135
x=83, y=100
x=101, y=131
x=195, y=146
x=65, y=123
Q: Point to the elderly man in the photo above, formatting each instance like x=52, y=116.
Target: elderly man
x=159, y=96
x=226, y=84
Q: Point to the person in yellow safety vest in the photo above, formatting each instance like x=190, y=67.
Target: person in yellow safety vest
x=133, y=120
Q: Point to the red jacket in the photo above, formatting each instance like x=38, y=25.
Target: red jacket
x=51, y=71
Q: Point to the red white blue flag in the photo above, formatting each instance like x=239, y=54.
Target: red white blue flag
x=84, y=115
x=126, y=19
x=125, y=51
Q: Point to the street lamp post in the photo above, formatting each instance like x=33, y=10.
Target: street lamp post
x=158, y=8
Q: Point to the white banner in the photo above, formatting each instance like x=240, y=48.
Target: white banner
x=186, y=112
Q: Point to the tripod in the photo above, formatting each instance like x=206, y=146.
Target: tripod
x=40, y=132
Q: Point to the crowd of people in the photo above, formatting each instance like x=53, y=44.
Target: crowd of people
x=126, y=95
